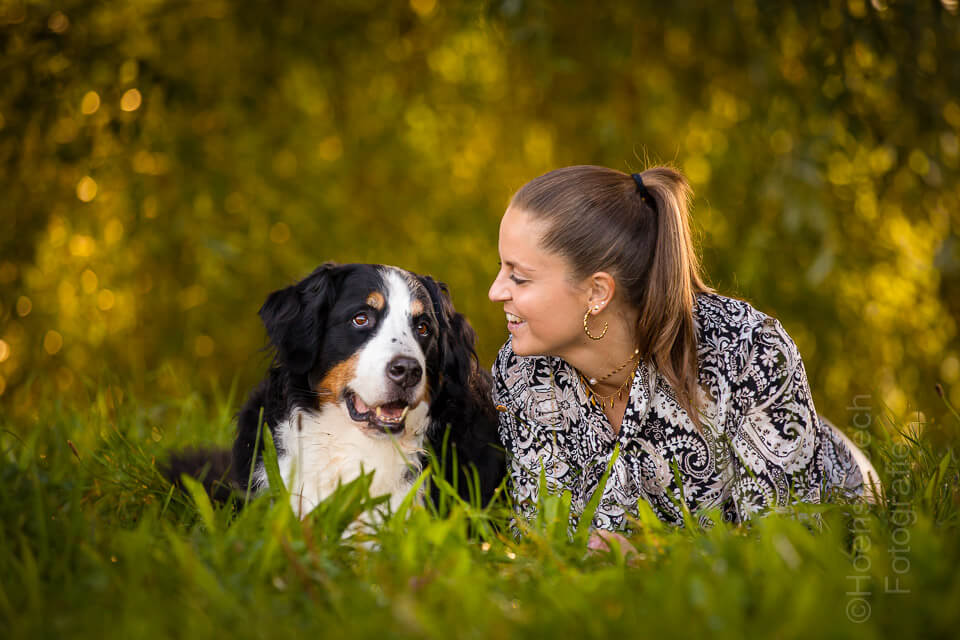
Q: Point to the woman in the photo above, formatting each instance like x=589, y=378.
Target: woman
x=615, y=339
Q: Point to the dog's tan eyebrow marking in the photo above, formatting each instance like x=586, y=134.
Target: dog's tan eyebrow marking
x=416, y=307
x=376, y=300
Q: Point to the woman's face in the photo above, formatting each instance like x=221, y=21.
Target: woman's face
x=544, y=309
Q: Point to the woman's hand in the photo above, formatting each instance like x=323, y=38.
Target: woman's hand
x=600, y=541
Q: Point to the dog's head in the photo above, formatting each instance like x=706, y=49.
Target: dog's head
x=381, y=343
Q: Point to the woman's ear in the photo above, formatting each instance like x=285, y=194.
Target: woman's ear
x=600, y=289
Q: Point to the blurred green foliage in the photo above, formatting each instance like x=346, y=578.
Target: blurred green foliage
x=165, y=164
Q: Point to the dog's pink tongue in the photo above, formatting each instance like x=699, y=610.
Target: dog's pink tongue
x=360, y=404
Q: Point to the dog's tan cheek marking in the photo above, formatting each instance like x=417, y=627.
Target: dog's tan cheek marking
x=425, y=396
x=376, y=300
x=330, y=388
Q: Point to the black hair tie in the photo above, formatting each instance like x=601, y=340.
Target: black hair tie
x=643, y=191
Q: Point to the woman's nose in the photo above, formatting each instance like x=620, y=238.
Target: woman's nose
x=498, y=292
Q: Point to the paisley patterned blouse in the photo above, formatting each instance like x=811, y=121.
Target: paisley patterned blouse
x=762, y=444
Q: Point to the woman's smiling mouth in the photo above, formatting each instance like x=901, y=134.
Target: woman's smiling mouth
x=514, y=322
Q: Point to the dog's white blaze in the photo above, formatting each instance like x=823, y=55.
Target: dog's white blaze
x=394, y=337
x=328, y=449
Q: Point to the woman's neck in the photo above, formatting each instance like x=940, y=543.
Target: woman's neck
x=600, y=359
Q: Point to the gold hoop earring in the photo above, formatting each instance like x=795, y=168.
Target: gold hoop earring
x=586, y=330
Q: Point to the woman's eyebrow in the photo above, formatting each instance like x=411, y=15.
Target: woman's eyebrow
x=522, y=267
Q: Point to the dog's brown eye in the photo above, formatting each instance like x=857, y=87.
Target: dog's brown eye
x=361, y=320
x=423, y=330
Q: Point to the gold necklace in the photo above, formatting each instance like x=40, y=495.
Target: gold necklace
x=594, y=396
x=636, y=352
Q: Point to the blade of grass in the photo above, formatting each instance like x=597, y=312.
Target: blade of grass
x=201, y=500
x=253, y=461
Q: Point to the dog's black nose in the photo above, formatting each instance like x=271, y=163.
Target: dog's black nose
x=406, y=372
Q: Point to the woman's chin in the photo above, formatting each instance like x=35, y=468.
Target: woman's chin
x=521, y=345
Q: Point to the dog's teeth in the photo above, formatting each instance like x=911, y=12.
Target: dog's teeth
x=377, y=411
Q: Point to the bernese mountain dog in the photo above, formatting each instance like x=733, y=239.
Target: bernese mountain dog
x=371, y=364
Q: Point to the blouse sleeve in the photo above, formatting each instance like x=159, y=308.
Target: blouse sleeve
x=523, y=481
x=774, y=432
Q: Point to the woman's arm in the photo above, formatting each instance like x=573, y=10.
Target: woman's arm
x=522, y=481
x=773, y=431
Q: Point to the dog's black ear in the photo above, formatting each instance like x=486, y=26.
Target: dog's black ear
x=295, y=318
x=458, y=358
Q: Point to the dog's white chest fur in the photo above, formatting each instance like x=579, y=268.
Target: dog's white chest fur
x=320, y=449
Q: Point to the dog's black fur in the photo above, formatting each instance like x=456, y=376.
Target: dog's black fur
x=306, y=328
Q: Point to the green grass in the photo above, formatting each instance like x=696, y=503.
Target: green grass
x=94, y=543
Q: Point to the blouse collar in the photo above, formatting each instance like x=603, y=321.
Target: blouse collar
x=580, y=412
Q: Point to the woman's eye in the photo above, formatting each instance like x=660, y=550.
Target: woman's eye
x=361, y=320
x=518, y=280
x=423, y=330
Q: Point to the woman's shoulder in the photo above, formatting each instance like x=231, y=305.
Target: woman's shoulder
x=714, y=311
x=734, y=328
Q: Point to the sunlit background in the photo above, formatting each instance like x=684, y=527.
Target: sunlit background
x=166, y=164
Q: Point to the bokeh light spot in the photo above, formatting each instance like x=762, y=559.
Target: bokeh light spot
x=423, y=8
x=285, y=164
x=203, y=346
x=65, y=378
x=82, y=246
x=951, y=113
x=839, y=170
x=882, y=159
x=58, y=232
x=150, y=207
x=918, y=162
x=105, y=300
x=697, y=169
x=950, y=143
x=280, y=233
x=24, y=306
x=113, y=231
x=330, y=148
x=131, y=100
x=52, y=342
x=129, y=71
x=949, y=368
x=4, y=350
x=857, y=8
x=8, y=272
x=86, y=189
x=781, y=141
x=90, y=103
x=234, y=202
x=89, y=281
x=65, y=130
x=58, y=22
x=193, y=296
x=537, y=144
